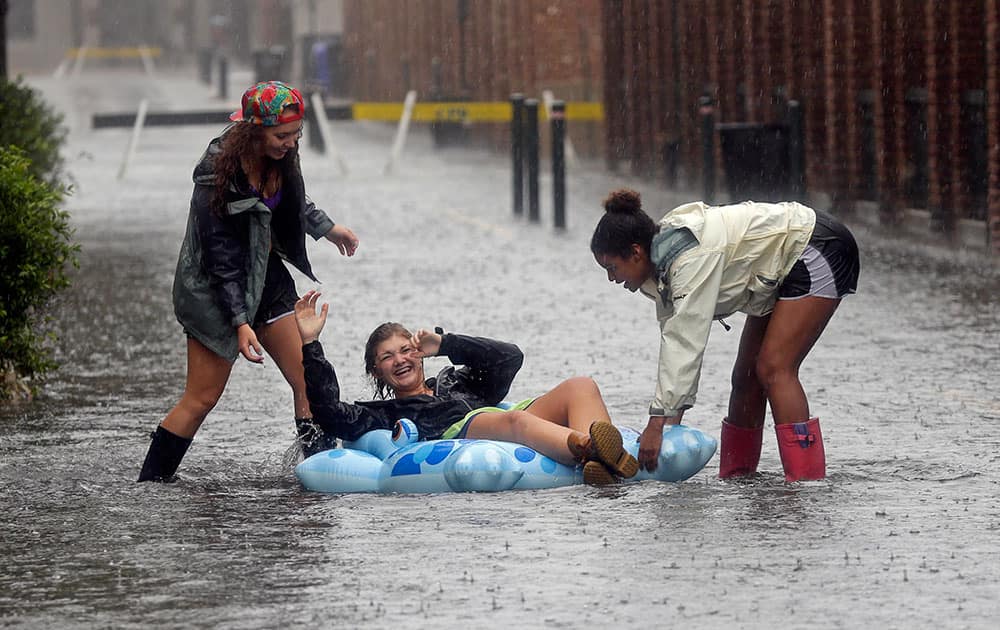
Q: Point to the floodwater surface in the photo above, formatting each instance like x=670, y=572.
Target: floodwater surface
x=903, y=533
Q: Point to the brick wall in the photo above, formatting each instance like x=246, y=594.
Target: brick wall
x=889, y=88
x=481, y=50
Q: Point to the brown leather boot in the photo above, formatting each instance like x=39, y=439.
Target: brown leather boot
x=597, y=474
x=608, y=448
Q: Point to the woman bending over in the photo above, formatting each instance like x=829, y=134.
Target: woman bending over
x=785, y=265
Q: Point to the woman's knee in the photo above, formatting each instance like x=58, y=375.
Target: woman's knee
x=199, y=403
x=770, y=369
x=517, y=422
x=581, y=385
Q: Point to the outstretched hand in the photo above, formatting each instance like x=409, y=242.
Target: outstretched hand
x=310, y=322
x=428, y=342
x=345, y=240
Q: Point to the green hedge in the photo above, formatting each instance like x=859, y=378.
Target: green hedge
x=26, y=121
x=36, y=248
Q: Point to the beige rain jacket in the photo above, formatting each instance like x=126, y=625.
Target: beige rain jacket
x=743, y=253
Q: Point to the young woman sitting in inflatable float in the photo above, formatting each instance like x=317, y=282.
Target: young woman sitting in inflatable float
x=567, y=430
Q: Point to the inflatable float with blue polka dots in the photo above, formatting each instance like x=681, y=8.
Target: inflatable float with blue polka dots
x=385, y=462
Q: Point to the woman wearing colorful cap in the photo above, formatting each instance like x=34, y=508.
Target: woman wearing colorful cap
x=785, y=265
x=232, y=292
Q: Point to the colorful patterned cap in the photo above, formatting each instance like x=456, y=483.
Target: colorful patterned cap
x=270, y=103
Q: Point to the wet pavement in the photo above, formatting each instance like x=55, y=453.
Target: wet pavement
x=904, y=532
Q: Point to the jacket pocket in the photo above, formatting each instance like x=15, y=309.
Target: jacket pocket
x=763, y=292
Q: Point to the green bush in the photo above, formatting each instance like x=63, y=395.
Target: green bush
x=35, y=253
x=26, y=121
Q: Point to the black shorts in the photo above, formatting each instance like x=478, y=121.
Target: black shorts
x=278, y=297
x=829, y=266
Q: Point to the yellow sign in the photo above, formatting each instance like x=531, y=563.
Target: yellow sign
x=458, y=111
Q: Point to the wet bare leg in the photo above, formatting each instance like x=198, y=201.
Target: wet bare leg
x=282, y=341
x=748, y=398
x=575, y=403
x=546, y=437
x=793, y=330
x=207, y=375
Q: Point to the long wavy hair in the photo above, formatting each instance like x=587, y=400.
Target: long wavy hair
x=380, y=334
x=240, y=140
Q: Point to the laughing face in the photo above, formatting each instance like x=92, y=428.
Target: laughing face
x=631, y=270
x=400, y=365
x=281, y=139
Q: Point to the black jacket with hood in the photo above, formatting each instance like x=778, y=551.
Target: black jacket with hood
x=488, y=369
x=223, y=259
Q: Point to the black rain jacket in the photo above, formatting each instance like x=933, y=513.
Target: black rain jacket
x=488, y=369
x=223, y=260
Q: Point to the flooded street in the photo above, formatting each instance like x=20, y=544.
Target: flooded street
x=904, y=532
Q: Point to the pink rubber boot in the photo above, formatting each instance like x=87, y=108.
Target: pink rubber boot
x=740, y=450
x=800, y=445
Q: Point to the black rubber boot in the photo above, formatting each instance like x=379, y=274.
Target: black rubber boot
x=312, y=438
x=164, y=456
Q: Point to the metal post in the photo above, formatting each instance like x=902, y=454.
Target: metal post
x=531, y=147
x=517, y=152
x=976, y=167
x=916, y=106
x=223, y=77
x=796, y=152
x=706, y=110
x=316, y=140
x=205, y=65
x=558, y=122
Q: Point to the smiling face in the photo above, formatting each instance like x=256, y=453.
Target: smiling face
x=281, y=139
x=631, y=270
x=400, y=365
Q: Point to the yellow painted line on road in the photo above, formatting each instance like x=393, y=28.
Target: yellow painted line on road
x=114, y=53
x=458, y=111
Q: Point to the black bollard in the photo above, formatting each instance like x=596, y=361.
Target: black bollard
x=531, y=147
x=517, y=151
x=223, y=77
x=558, y=123
x=796, y=152
x=976, y=167
x=706, y=110
x=916, y=123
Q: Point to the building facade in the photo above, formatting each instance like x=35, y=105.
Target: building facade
x=897, y=120
x=477, y=50
x=895, y=95
x=900, y=118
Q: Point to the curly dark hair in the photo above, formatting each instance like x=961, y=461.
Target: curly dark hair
x=380, y=334
x=238, y=141
x=624, y=223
